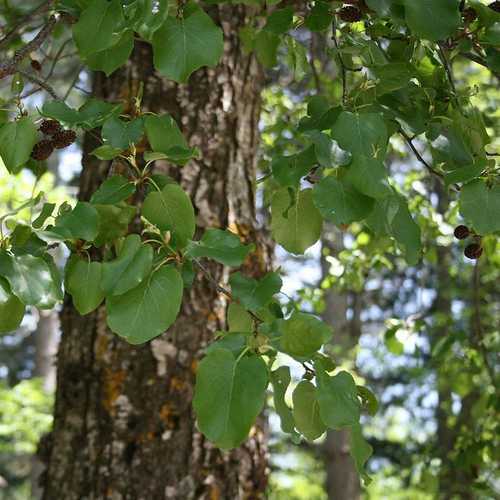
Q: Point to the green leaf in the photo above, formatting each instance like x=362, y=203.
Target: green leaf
x=279, y=21
x=296, y=224
x=238, y=318
x=480, y=205
x=288, y=170
x=113, y=222
x=407, y=232
x=90, y=115
x=280, y=379
x=113, y=190
x=151, y=14
x=339, y=202
x=82, y=222
x=98, y=27
x=82, y=282
x=392, y=76
x=112, y=58
x=223, y=246
x=306, y=411
x=255, y=294
x=369, y=400
x=148, y=310
x=338, y=399
x=106, y=152
x=320, y=17
x=328, y=153
x=171, y=210
x=164, y=134
x=46, y=212
x=229, y=395
x=360, y=451
x=368, y=176
x=303, y=335
x=16, y=143
x=266, y=46
x=321, y=115
x=11, y=308
x=129, y=269
x=361, y=133
x=121, y=134
x=182, y=45
x=432, y=19
x=30, y=279
x=464, y=174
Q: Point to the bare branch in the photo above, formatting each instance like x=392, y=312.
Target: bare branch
x=10, y=67
x=44, y=6
x=41, y=83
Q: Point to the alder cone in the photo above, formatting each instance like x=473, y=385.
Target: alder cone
x=50, y=127
x=42, y=150
x=469, y=15
x=63, y=138
x=473, y=251
x=36, y=65
x=350, y=14
x=461, y=232
x=495, y=6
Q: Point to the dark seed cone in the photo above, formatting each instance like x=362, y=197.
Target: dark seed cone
x=42, y=150
x=36, y=65
x=350, y=14
x=469, y=15
x=63, y=139
x=473, y=251
x=495, y=6
x=461, y=232
x=50, y=127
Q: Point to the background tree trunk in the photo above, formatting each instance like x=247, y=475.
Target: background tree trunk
x=342, y=479
x=124, y=426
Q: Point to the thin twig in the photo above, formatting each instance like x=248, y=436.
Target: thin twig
x=420, y=158
x=220, y=289
x=10, y=67
x=41, y=83
x=73, y=83
x=38, y=10
x=447, y=68
x=478, y=60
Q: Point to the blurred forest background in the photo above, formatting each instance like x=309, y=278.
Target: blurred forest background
x=427, y=334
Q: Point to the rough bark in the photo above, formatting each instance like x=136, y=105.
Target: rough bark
x=342, y=479
x=124, y=426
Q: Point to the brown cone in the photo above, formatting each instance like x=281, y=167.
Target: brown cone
x=50, y=127
x=350, y=14
x=42, y=150
x=63, y=139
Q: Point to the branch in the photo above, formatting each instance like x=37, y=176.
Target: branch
x=420, y=158
x=10, y=67
x=38, y=10
x=477, y=325
x=41, y=83
x=448, y=70
x=220, y=289
x=478, y=60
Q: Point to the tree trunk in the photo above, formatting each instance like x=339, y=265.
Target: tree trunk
x=454, y=481
x=124, y=426
x=342, y=479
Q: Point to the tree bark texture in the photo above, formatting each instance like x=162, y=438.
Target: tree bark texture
x=124, y=425
x=342, y=479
